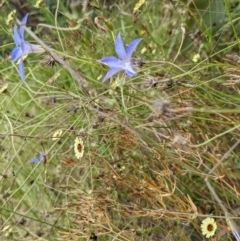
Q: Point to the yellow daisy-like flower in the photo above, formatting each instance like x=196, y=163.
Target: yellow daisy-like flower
x=208, y=227
x=56, y=135
x=78, y=147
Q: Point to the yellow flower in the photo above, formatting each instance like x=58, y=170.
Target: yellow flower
x=56, y=135
x=10, y=17
x=138, y=5
x=7, y=230
x=195, y=58
x=208, y=227
x=39, y=4
x=78, y=147
x=3, y=89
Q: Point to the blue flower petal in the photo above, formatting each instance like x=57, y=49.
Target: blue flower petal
x=16, y=37
x=130, y=73
x=112, y=62
x=35, y=160
x=124, y=61
x=21, y=28
x=26, y=48
x=132, y=46
x=110, y=73
x=119, y=48
x=16, y=53
x=40, y=156
x=129, y=70
x=23, y=48
x=21, y=70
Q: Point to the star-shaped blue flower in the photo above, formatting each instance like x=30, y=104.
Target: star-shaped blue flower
x=123, y=62
x=37, y=160
x=23, y=48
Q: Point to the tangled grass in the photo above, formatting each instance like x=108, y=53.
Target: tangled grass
x=161, y=150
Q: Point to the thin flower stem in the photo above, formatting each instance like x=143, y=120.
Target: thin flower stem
x=123, y=102
x=180, y=47
x=60, y=28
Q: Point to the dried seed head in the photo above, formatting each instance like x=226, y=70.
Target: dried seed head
x=50, y=61
x=150, y=82
x=161, y=106
x=137, y=62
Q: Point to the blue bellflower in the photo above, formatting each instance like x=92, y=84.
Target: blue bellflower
x=23, y=48
x=37, y=160
x=123, y=62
